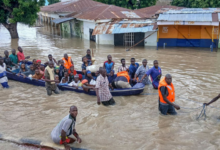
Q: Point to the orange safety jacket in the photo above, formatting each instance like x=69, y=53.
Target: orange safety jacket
x=67, y=64
x=171, y=91
x=124, y=74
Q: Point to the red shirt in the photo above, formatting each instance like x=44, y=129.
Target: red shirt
x=74, y=72
x=20, y=56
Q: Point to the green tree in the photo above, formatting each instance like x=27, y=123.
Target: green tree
x=130, y=4
x=42, y=2
x=196, y=3
x=14, y=11
x=53, y=1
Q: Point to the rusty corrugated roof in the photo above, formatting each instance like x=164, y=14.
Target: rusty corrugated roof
x=152, y=10
x=108, y=12
x=124, y=26
x=70, y=6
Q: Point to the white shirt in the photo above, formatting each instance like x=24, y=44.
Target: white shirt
x=74, y=83
x=3, y=69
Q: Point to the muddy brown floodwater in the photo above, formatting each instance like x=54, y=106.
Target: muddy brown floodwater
x=134, y=122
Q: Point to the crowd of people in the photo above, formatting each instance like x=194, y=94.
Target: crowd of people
x=62, y=72
x=65, y=73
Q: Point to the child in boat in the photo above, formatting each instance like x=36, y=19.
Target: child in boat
x=65, y=79
x=23, y=68
x=30, y=72
x=37, y=75
x=76, y=82
x=86, y=63
x=71, y=77
x=38, y=63
x=42, y=69
x=61, y=69
x=111, y=77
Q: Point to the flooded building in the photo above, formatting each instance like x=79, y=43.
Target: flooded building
x=189, y=27
x=88, y=19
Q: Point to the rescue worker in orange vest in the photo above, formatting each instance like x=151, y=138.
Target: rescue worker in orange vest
x=167, y=96
x=122, y=80
x=67, y=61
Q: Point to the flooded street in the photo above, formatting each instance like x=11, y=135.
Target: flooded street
x=134, y=122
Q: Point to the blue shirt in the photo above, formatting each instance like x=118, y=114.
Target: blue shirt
x=84, y=65
x=133, y=69
x=108, y=66
x=111, y=78
x=141, y=71
x=154, y=73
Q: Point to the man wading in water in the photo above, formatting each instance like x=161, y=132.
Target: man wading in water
x=50, y=79
x=102, y=89
x=167, y=96
x=66, y=127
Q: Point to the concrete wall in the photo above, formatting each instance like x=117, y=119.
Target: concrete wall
x=86, y=27
x=151, y=40
x=77, y=28
x=105, y=39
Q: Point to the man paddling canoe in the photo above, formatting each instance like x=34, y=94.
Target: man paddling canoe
x=66, y=127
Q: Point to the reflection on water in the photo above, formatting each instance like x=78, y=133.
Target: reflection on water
x=134, y=122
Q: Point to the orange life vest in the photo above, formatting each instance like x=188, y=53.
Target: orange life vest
x=124, y=74
x=171, y=91
x=67, y=64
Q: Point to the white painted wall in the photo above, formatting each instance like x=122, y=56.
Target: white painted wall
x=152, y=40
x=105, y=39
x=86, y=26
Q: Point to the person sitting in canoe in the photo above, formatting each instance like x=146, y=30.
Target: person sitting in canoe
x=68, y=62
x=133, y=68
x=23, y=69
x=140, y=73
x=122, y=80
x=30, y=71
x=109, y=64
x=50, y=58
x=155, y=73
x=123, y=66
x=65, y=79
x=66, y=127
x=8, y=62
x=76, y=82
x=37, y=75
x=20, y=55
x=86, y=63
x=111, y=77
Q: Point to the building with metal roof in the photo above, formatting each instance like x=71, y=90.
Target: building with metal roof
x=189, y=27
x=84, y=17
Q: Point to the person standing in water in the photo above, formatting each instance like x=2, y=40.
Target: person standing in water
x=167, y=96
x=155, y=73
x=3, y=77
x=109, y=64
x=60, y=134
x=50, y=79
x=102, y=89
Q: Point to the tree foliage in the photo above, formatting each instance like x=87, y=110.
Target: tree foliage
x=14, y=11
x=130, y=4
x=42, y=2
x=53, y=1
x=196, y=3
